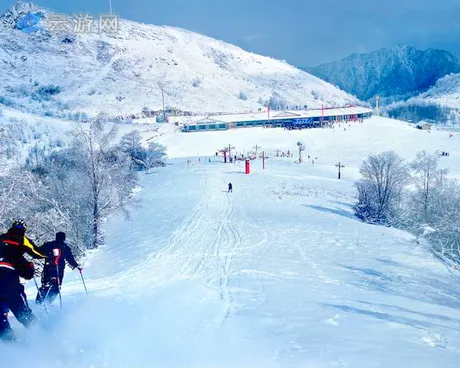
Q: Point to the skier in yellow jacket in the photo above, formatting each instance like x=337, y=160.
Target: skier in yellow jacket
x=13, y=245
x=16, y=236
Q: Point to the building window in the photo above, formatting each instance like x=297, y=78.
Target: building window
x=212, y=126
x=202, y=127
x=222, y=126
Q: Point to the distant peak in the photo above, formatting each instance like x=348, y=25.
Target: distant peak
x=402, y=46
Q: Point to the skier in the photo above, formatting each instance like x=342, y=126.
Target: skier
x=18, y=244
x=13, y=265
x=16, y=236
x=230, y=188
x=58, y=253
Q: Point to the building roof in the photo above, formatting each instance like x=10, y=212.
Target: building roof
x=209, y=120
x=286, y=114
x=275, y=115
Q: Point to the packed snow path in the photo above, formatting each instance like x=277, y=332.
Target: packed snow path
x=276, y=274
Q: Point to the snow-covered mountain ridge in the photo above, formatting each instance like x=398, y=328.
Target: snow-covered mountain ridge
x=440, y=104
x=394, y=74
x=446, y=92
x=67, y=73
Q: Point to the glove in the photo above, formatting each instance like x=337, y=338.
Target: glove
x=27, y=270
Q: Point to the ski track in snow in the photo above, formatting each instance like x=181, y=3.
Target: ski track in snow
x=265, y=273
x=293, y=274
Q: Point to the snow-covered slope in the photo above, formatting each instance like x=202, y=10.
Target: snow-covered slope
x=440, y=104
x=329, y=145
x=446, y=92
x=276, y=274
x=122, y=73
x=396, y=73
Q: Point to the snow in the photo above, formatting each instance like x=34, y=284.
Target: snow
x=44, y=131
x=445, y=92
x=278, y=273
x=329, y=145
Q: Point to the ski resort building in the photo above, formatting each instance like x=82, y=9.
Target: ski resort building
x=294, y=119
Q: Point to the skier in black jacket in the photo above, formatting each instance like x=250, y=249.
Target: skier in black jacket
x=58, y=252
x=13, y=265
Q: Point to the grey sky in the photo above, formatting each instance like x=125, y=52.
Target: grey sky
x=301, y=32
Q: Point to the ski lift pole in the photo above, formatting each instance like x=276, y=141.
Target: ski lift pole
x=83, y=280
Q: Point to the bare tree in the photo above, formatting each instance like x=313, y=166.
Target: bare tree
x=71, y=189
x=445, y=226
x=109, y=173
x=384, y=176
x=154, y=155
x=142, y=158
x=426, y=203
x=427, y=185
x=131, y=145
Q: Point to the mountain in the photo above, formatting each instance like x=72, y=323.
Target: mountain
x=394, y=74
x=440, y=104
x=446, y=92
x=67, y=73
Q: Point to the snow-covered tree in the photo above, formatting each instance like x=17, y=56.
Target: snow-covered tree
x=154, y=155
x=384, y=176
x=444, y=234
x=77, y=187
x=142, y=158
x=426, y=181
x=426, y=203
x=131, y=144
x=108, y=175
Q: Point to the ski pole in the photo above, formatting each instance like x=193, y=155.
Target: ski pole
x=57, y=253
x=59, y=285
x=83, y=280
x=41, y=296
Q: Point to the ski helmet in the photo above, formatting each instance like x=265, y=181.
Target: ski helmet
x=19, y=225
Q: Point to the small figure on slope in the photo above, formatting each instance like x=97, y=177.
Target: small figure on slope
x=230, y=188
x=58, y=252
